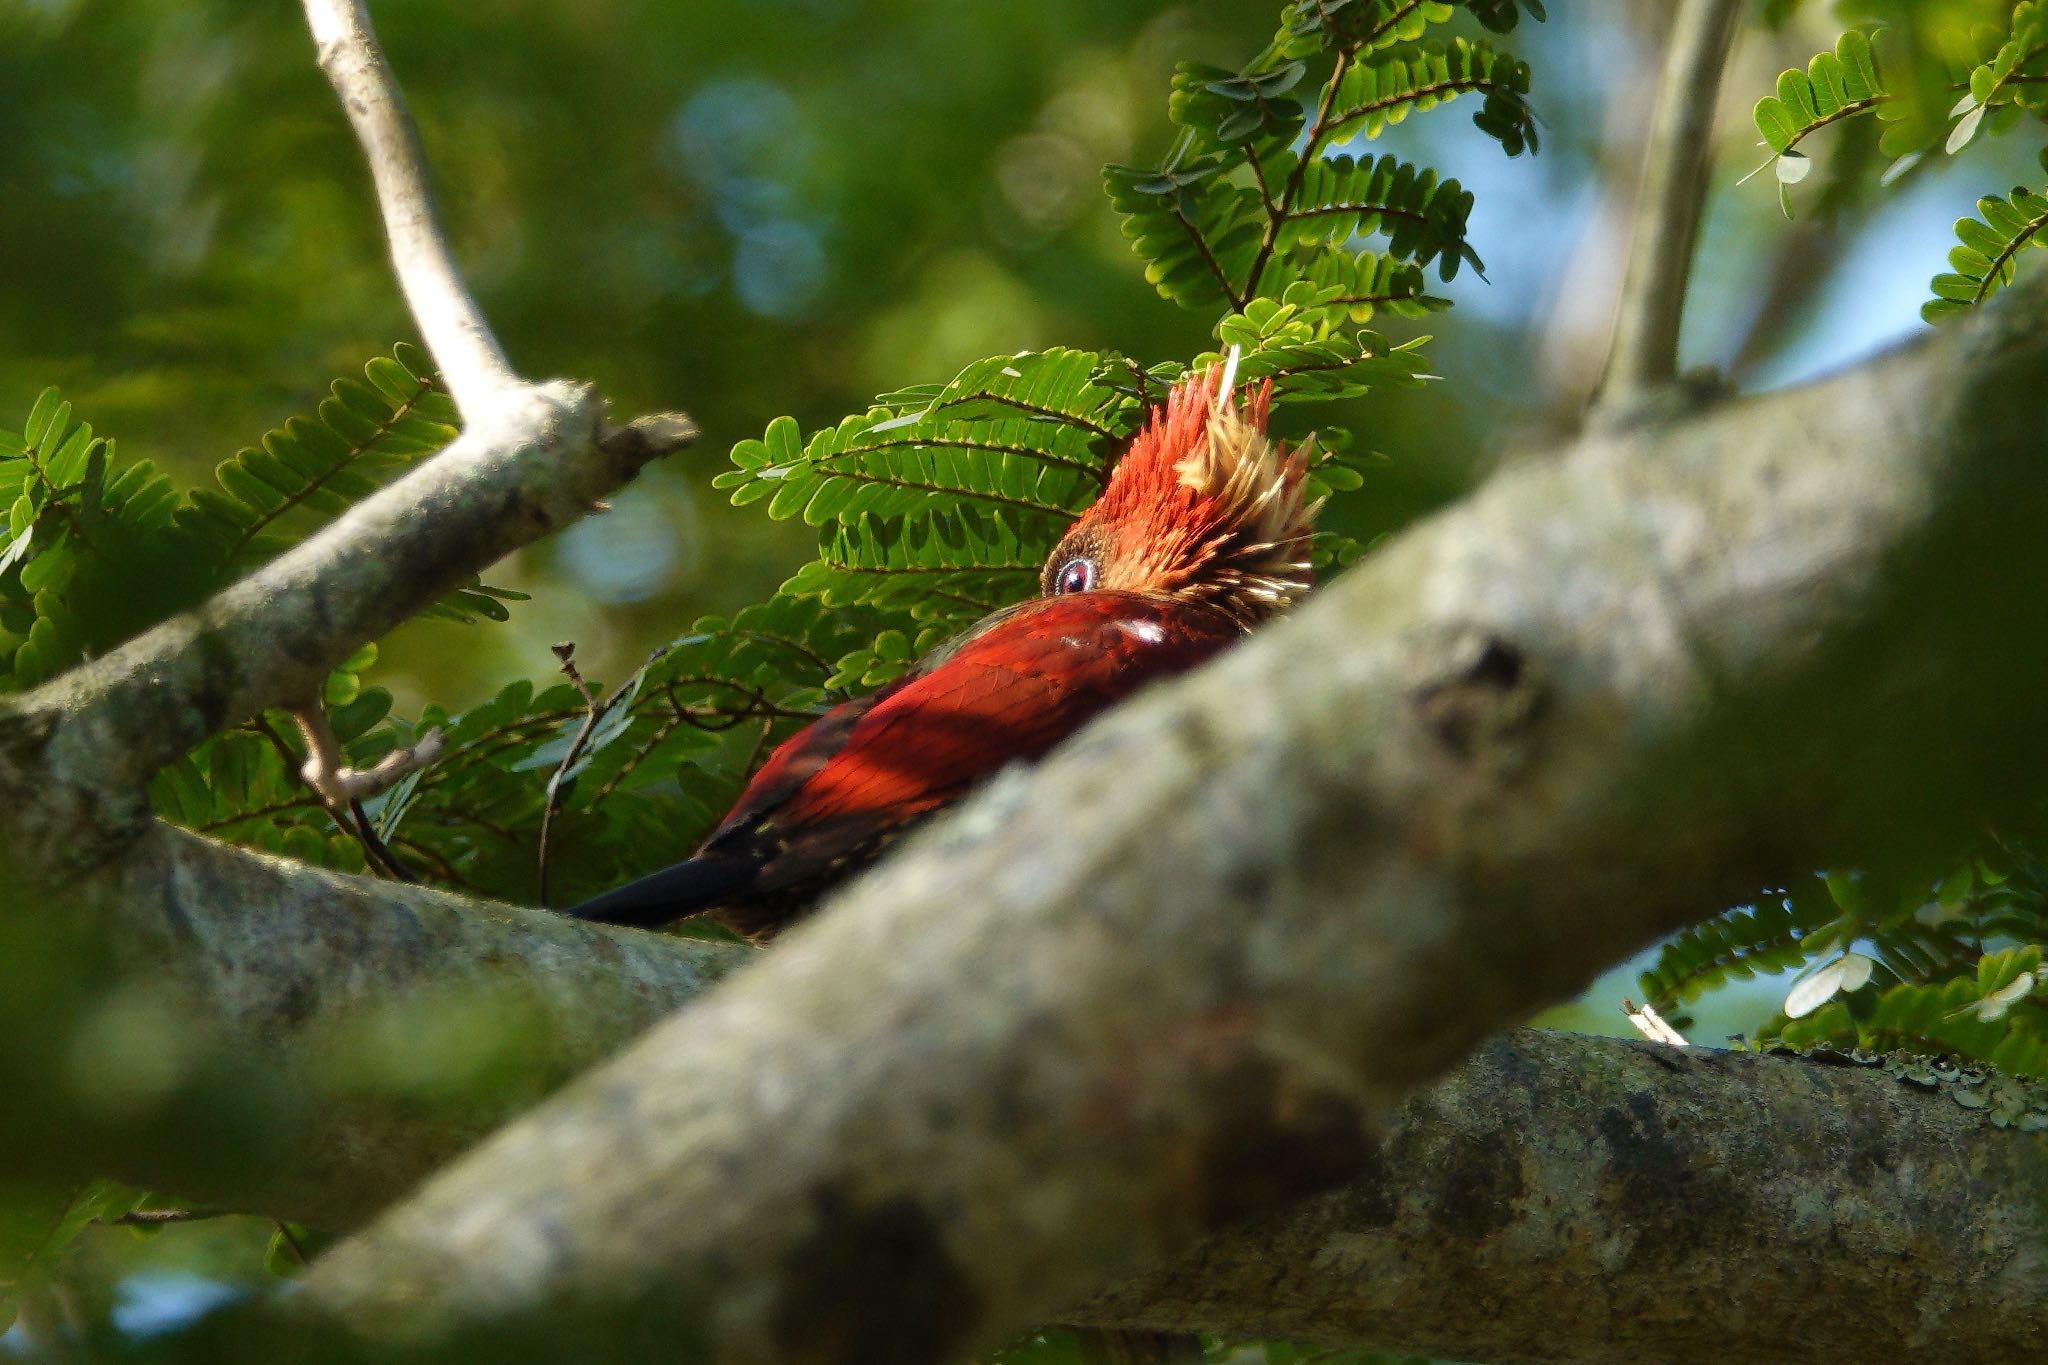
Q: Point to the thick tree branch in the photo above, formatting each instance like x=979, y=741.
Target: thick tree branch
x=1610, y=692
x=1677, y=163
x=321, y=1042
x=471, y=362
x=1576, y=1199
x=1553, y=1198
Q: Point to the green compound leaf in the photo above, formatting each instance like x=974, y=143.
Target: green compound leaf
x=1987, y=252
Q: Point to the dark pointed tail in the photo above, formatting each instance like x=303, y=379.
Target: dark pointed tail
x=687, y=888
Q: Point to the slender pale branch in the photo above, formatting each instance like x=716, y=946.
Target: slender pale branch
x=471, y=362
x=1677, y=163
x=531, y=459
x=270, y=640
x=1182, y=971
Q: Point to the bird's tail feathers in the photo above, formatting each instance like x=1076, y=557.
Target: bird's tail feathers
x=687, y=888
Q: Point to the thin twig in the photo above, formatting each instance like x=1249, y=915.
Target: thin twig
x=593, y=711
x=357, y=824
x=1265, y=190
x=360, y=825
x=327, y=773
x=453, y=327
x=1208, y=255
x=1677, y=163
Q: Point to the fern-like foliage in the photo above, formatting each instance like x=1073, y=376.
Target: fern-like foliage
x=1369, y=25
x=1775, y=935
x=1992, y=1015
x=1015, y=434
x=97, y=549
x=1237, y=211
x=1340, y=198
x=1942, y=965
x=2014, y=78
x=244, y=787
x=940, y=503
x=645, y=766
x=642, y=769
x=82, y=529
x=321, y=463
x=1834, y=86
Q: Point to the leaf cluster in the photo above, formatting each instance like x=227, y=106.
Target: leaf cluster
x=1881, y=72
x=96, y=548
x=940, y=503
x=1254, y=198
x=1943, y=964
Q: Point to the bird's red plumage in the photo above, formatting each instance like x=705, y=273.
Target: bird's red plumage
x=871, y=767
x=1200, y=533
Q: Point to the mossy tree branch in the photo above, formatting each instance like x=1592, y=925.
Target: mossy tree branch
x=1571, y=1185
x=1584, y=1200
x=334, y=1038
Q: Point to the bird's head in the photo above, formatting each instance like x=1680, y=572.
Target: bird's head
x=1203, y=505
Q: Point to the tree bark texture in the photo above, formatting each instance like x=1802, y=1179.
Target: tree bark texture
x=1574, y=1199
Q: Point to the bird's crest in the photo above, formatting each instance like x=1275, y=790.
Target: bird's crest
x=1203, y=505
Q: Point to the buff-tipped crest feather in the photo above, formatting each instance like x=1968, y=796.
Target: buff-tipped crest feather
x=1204, y=504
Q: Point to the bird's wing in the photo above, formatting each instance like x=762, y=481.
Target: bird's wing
x=1010, y=691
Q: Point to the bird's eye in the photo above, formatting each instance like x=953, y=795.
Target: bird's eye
x=1076, y=575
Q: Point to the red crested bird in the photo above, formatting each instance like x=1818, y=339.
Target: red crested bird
x=1200, y=534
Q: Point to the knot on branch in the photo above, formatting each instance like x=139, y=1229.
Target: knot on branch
x=1478, y=694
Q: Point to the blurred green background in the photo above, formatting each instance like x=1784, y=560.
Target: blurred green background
x=745, y=209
